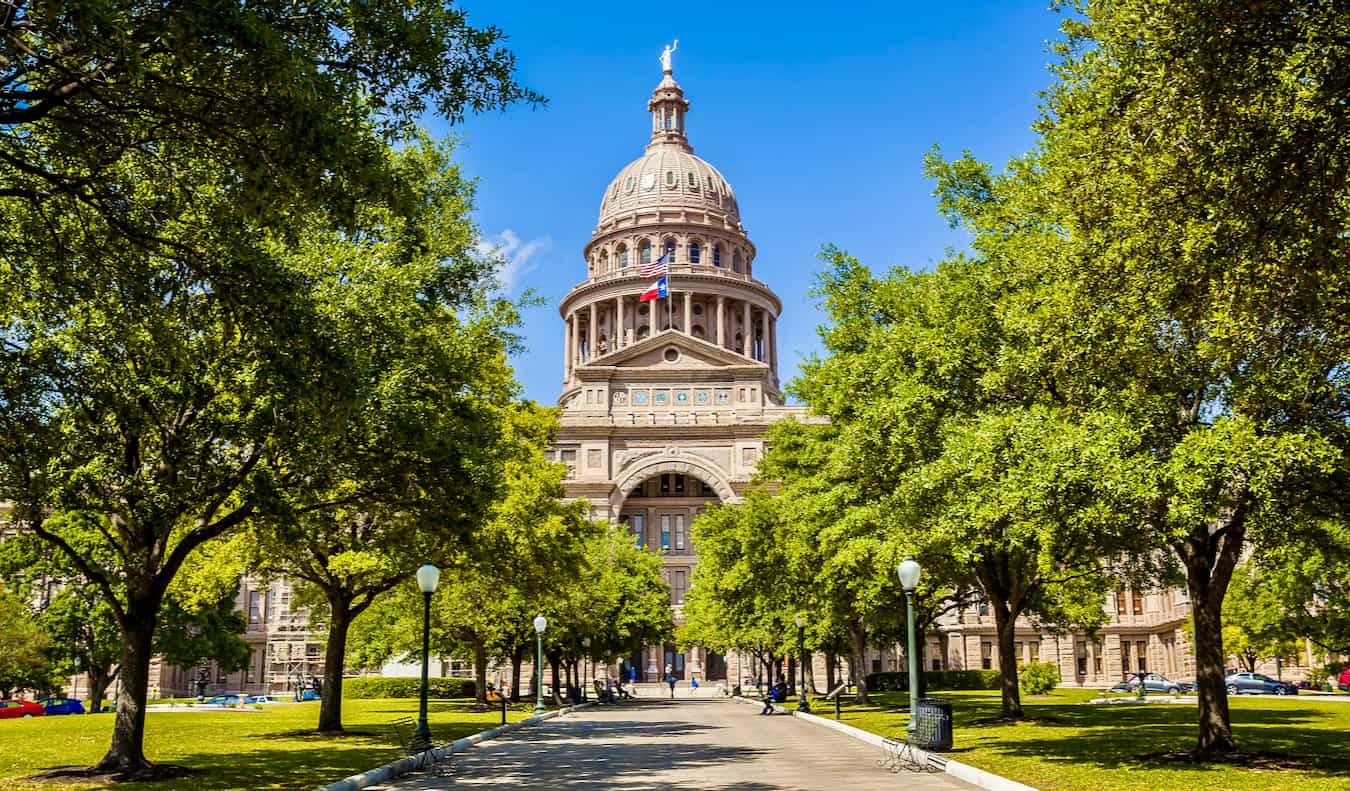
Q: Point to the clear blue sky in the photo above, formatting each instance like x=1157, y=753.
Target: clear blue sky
x=818, y=114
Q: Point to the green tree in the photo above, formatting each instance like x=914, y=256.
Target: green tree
x=24, y=661
x=159, y=350
x=1302, y=589
x=1197, y=154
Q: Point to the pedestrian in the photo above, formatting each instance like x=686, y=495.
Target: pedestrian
x=693, y=686
x=768, y=701
x=670, y=679
x=632, y=674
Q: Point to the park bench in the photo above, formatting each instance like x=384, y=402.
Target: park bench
x=903, y=755
x=428, y=758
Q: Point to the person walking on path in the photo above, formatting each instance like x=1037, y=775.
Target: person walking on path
x=768, y=701
x=693, y=686
x=670, y=679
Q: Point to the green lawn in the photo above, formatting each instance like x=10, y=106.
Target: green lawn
x=232, y=749
x=1075, y=746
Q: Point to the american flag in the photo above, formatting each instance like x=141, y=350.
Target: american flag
x=656, y=268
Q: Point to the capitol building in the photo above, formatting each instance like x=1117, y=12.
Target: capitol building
x=665, y=402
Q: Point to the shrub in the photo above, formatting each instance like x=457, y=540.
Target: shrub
x=1038, y=678
x=936, y=680
x=381, y=687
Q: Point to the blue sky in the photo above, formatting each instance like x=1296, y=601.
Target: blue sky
x=818, y=114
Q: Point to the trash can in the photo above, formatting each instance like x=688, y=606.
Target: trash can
x=933, y=725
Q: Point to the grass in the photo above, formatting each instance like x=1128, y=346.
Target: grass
x=1072, y=746
x=273, y=748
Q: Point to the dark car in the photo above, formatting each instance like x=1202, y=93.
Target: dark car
x=1257, y=684
x=1155, y=683
x=14, y=709
x=61, y=706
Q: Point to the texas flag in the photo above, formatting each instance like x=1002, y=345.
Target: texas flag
x=657, y=290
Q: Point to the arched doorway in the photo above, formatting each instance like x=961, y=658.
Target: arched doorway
x=657, y=506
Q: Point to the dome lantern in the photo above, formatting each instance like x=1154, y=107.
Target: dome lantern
x=668, y=106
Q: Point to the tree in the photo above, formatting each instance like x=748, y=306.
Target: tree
x=158, y=348
x=1198, y=158
x=24, y=663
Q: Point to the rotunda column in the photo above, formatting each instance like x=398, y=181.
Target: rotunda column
x=688, y=328
x=721, y=321
x=590, y=336
x=764, y=336
x=618, y=324
x=747, y=332
x=569, y=333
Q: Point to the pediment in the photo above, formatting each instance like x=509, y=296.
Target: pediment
x=691, y=354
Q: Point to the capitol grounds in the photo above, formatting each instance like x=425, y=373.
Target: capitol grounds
x=1066, y=743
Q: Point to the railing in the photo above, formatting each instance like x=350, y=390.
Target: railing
x=675, y=270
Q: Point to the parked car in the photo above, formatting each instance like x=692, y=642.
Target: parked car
x=1155, y=683
x=227, y=699
x=14, y=709
x=61, y=706
x=1257, y=684
x=1343, y=680
x=308, y=694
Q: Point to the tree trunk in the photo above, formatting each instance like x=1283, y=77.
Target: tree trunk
x=1005, y=622
x=334, y=658
x=480, y=662
x=830, y=674
x=1216, y=732
x=99, y=681
x=554, y=660
x=792, y=673
x=517, y=658
x=858, y=660
x=126, y=754
x=809, y=674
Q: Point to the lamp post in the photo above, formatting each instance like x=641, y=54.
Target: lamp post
x=428, y=577
x=540, y=624
x=908, y=571
x=802, y=704
x=585, y=660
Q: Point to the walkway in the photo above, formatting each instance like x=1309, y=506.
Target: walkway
x=680, y=746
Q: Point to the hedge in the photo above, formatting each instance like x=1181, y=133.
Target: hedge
x=1038, y=678
x=380, y=687
x=937, y=679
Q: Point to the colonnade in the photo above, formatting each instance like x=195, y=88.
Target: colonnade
x=608, y=325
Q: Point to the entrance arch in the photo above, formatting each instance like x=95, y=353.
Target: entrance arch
x=656, y=501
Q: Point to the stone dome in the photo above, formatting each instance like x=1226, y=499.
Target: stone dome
x=669, y=177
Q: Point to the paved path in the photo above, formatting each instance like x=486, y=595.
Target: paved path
x=679, y=746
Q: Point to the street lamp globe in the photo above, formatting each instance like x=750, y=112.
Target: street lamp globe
x=909, y=574
x=428, y=577
x=540, y=623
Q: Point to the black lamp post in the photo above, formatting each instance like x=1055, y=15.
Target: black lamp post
x=540, y=624
x=802, y=704
x=428, y=576
x=908, y=572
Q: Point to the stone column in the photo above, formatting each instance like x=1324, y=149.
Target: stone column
x=721, y=321
x=568, y=333
x=747, y=333
x=590, y=335
x=618, y=323
x=688, y=328
x=771, y=347
x=764, y=336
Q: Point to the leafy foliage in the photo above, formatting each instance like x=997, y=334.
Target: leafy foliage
x=377, y=687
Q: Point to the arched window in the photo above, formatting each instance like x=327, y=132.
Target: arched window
x=693, y=182
x=604, y=261
x=693, y=252
x=645, y=254
x=670, y=251
x=717, y=255
x=628, y=184
x=710, y=184
x=622, y=255
x=670, y=178
x=736, y=261
x=699, y=332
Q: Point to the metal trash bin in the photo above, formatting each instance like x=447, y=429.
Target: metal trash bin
x=933, y=725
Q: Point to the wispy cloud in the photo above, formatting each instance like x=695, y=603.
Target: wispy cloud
x=515, y=257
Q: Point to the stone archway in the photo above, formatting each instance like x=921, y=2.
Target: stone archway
x=671, y=460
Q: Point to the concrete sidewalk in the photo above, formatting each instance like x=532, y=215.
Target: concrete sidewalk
x=682, y=745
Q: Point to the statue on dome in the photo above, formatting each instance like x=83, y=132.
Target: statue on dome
x=665, y=56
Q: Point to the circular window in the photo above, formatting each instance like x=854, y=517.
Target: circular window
x=648, y=180
x=671, y=354
x=644, y=310
x=698, y=310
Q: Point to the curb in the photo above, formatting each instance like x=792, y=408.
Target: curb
x=966, y=772
x=405, y=765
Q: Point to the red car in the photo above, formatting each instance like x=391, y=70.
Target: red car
x=13, y=709
x=1344, y=680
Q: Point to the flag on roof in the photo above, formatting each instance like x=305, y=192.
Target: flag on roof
x=657, y=290
x=657, y=267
